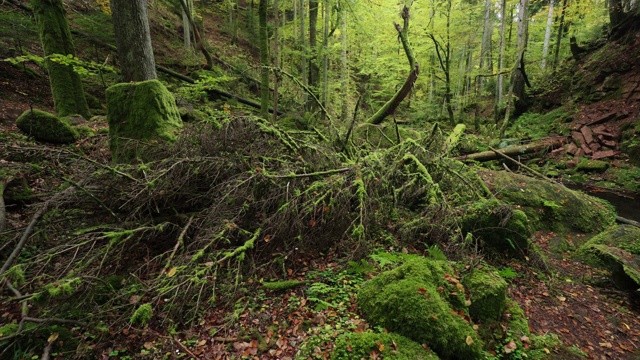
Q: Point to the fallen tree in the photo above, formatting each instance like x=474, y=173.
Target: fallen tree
x=515, y=150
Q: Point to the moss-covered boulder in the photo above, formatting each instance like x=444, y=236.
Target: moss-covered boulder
x=137, y=113
x=617, y=249
x=44, y=126
x=500, y=226
x=488, y=292
x=551, y=206
x=588, y=165
x=385, y=346
x=423, y=301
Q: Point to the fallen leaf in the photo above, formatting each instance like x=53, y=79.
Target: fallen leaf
x=469, y=340
x=510, y=347
x=52, y=337
x=172, y=271
x=606, y=345
x=422, y=290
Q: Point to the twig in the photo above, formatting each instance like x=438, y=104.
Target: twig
x=178, y=243
x=84, y=190
x=318, y=173
x=55, y=320
x=181, y=345
x=27, y=233
x=47, y=350
x=534, y=172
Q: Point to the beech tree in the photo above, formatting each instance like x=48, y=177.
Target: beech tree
x=66, y=86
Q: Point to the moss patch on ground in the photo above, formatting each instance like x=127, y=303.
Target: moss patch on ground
x=551, y=206
x=384, y=346
x=44, y=126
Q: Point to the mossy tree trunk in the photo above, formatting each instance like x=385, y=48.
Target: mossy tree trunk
x=133, y=38
x=66, y=87
x=264, y=59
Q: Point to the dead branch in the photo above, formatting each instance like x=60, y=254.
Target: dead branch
x=27, y=233
x=515, y=150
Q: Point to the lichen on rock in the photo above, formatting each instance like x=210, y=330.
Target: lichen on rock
x=44, y=126
x=142, y=111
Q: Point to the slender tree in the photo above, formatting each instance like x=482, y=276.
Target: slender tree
x=187, y=12
x=276, y=56
x=547, y=36
x=66, y=87
x=485, y=50
x=325, y=52
x=264, y=59
x=344, y=71
x=503, y=13
x=314, y=70
x=559, y=35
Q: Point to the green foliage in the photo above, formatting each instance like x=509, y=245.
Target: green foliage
x=142, y=315
x=537, y=126
x=508, y=273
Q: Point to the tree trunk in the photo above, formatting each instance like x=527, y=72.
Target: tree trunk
x=503, y=12
x=314, y=71
x=303, y=48
x=559, y=36
x=325, y=52
x=133, y=39
x=276, y=56
x=547, y=36
x=344, y=71
x=66, y=87
x=515, y=150
x=264, y=59
x=485, y=51
x=519, y=75
x=186, y=24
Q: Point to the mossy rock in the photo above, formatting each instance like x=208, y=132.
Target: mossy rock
x=44, y=126
x=630, y=143
x=588, y=165
x=84, y=131
x=137, y=113
x=488, y=292
x=551, y=206
x=419, y=300
x=617, y=249
x=93, y=102
x=517, y=323
x=501, y=228
x=385, y=346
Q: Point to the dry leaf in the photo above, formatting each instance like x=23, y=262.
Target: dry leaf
x=469, y=340
x=172, y=271
x=52, y=337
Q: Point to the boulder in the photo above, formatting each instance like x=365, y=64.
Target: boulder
x=423, y=300
x=488, y=292
x=44, y=126
x=551, y=206
x=618, y=250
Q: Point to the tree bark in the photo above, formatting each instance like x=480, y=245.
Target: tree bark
x=276, y=56
x=485, y=51
x=264, y=59
x=314, y=70
x=344, y=76
x=325, y=52
x=499, y=84
x=133, y=39
x=186, y=24
x=66, y=86
x=547, y=36
x=559, y=36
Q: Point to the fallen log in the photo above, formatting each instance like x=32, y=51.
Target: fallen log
x=515, y=150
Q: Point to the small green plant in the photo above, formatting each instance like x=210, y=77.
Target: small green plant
x=142, y=315
x=436, y=253
x=508, y=273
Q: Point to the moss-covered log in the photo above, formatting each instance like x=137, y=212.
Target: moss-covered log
x=515, y=150
x=66, y=87
x=140, y=111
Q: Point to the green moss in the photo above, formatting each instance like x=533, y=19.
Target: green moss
x=417, y=300
x=385, y=346
x=282, y=285
x=518, y=324
x=93, y=102
x=85, y=131
x=142, y=315
x=551, y=206
x=140, y=111
x=44, y=126
x=588, y=165
x=488, y=292
x=617, y=249
x=500, y=227
x=66, y=87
